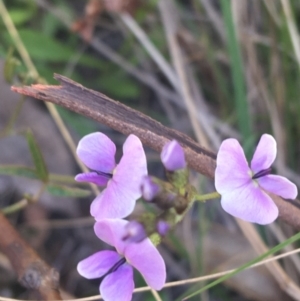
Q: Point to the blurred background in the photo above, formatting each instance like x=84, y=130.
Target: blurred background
x=212, y=69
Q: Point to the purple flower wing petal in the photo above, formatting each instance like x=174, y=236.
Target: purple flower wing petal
x=172, y=156
x=97, y=152
x=145, y=257
x=98, y=264
x=118, y=285
x=279, y=185
x=92, y=177
x=251, y=204
x=264, y=154
x=232, y=168
x=112, y=231
x=118, y=199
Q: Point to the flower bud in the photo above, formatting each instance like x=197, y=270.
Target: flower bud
x=162, y=227
x=149, y=188
x=172, y=156
x=134, y=232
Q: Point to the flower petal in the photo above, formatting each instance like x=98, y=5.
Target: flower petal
x=118, y=285
x=251, y=204
x=145, y=257
x=131, y=170
x=92, y=177
x=112, y=231
x=264, y=154
x=98, y=264
x=172, y=156
x=97, y=152
x=118, y=199
x=111, y=203
x=232, y=168
x=279, y=185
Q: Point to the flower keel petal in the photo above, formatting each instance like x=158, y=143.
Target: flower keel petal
x=92, y=177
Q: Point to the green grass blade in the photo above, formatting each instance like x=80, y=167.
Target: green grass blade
x=238, y=78
x=248, y=264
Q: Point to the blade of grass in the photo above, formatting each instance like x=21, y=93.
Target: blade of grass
x=248, y=264
x=240, y=96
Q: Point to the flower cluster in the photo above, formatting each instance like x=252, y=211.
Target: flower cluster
x=115, y=202
x=245, y=193
x=116, y=266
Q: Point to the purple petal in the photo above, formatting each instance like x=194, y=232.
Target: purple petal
x=92, y=177
x=279, y=185
x=232, y=168
x=134, y=232
x=172, y=156
x=131, y=169
x=97, y=152
x=149, y=188
x=118, y=199
x=112, y=231
x=112, y=203
x=145, y=257
x=118, y=285
x=251, y=204
x=264, y=154
x=98, y=264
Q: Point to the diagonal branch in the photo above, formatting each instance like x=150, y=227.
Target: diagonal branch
x=32, y=272
x=103, y=109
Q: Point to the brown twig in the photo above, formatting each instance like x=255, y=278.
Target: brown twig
x=101, y=108
x=33, y=273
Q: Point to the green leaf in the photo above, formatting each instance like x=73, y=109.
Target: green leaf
x=10, y=65
x=20, y=16
x=66, y=191
x=37, y=156
x=18, y=170
x=43, y=47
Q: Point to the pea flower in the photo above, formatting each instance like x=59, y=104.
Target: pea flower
x=243, y=189
x=123, y=181
x=116, y=267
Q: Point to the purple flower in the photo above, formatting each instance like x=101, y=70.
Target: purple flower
x=116, y=267
x=172, y=156
x=123, y=181
x=243, y=189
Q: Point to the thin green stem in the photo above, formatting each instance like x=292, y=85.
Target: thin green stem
x=208, y=196
x=15, y=207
